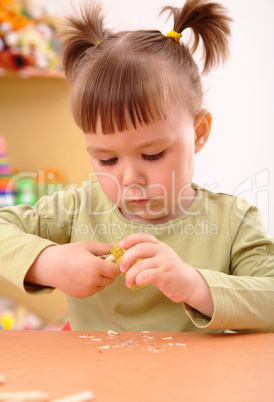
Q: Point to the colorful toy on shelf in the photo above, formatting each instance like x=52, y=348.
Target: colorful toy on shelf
x=12, y=16
x=14, y=315
x=25, y=187
x=26, y=40
x=7, y=320
x=7, y=193
x=26, y=191
x=30, y=186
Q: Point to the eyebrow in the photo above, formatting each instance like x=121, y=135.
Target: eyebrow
x=157, y=141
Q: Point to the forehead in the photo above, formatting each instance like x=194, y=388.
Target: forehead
x=124, y=94
x=161, y=133
x=143, y=135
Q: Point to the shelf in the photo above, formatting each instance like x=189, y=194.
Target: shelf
x=29, y=72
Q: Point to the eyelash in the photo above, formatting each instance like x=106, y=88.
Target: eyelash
x=108, y=162
x=155, y=157
x=151, y=158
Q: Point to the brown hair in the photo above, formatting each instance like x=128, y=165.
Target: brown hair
x=130, y=77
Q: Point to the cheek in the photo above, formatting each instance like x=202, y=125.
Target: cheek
x=110, y=186
x=180, y=172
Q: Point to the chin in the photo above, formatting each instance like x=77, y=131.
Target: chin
x=148, y=218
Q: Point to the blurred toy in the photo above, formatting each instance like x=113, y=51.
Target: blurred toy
x=5, y=169
x=7, y=320
x=25, y=39
x=26, y=191
x=12, y=16
x=13, y=315
x=36, y=9
x=7, y=193
x=14, y=60
x=30, y=186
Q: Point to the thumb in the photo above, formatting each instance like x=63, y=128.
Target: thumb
x=98, y=249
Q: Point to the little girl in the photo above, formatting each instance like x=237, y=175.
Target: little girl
x=204, y=258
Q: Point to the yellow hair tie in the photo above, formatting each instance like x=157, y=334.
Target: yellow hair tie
x=174, y=35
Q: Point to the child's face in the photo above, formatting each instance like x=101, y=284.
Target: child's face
x=147, y=171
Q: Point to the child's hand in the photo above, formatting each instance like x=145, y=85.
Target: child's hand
x=74, y=268
x=162, y=267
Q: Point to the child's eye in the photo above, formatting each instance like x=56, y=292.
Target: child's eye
x=107, y=162
x=154, y=157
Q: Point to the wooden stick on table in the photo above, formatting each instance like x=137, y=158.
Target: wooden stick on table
x=28, y=396
x=85, y=396
x=37, y=396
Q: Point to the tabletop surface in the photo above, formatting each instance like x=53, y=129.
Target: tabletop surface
x=140, y=366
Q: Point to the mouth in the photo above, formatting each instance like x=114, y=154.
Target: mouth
x=139, y=202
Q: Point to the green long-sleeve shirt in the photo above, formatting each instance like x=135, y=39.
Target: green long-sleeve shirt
x=220, y=235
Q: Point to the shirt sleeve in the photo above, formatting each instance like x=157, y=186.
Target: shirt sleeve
x=244, y=299
x=26, y=231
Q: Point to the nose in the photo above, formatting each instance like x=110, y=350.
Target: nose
x=133, y=175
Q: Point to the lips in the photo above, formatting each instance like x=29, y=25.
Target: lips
x=140, y=202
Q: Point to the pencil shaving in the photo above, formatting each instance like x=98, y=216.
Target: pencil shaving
x=30, y=396
x=111, y=333
x=87, y=336
x=84, y=396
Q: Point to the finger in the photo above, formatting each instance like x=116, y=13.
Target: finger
x=99, y=289
x=151, y=276
x=136, y=238
x=141, y=250
x=97, y=248
x=138, y=268
x=109, y=269
x=103, y=281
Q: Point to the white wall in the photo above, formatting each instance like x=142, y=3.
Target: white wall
x=238, y=158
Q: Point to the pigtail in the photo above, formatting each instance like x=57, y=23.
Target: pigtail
x=82, y=32
x=209, y=22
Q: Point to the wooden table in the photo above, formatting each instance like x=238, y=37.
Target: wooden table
x=140, y=366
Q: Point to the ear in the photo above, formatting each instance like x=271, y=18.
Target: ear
x=202, y=127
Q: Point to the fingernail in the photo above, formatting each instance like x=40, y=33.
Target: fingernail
x=122, y=243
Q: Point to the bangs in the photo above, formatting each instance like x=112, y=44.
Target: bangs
x=117, y=92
